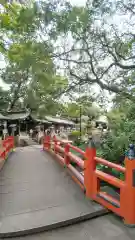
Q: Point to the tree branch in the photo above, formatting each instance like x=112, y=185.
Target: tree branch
x=116, y=61
x=109, y=87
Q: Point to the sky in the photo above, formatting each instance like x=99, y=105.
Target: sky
x=78, y=2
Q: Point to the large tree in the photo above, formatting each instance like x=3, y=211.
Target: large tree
x=102, y=50
x=40, y=39
x=27, y=36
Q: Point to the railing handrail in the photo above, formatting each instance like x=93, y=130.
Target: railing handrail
x=110, y=164
x=76, y=159
x=89, y=180
x=109, y=179
x=77, y=149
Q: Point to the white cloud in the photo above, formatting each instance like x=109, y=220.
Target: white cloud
x=78, y=2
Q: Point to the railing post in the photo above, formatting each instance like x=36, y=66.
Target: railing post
x=89, y=168
x=13, y=143
x=5, y=149
x=49, y=142
x=8, y=145
x=128, y=193
x=3, y=143
x=46, y=144
x=3, y=155
x=55, y=144
x=66, y=158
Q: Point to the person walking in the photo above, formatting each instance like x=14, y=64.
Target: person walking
x=31, y=132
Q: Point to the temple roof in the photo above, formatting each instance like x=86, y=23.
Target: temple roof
x=22, y=115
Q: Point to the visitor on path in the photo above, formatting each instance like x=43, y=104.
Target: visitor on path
x=47, y=132
x=31, y=132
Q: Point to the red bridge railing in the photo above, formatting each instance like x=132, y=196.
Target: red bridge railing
x=7, y=146
x=89, y=178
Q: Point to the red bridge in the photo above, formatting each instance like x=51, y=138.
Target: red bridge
x=37, y=193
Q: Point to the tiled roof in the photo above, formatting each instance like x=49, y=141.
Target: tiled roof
x=102, y=119
x=24, y=115
x=41, y=120
x=2, y=117
x=17, y=116
x=59, y=121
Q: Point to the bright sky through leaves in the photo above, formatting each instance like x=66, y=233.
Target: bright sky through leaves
x=78, y=2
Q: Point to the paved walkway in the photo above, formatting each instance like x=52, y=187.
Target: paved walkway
x=108, y=227
x=37, y=194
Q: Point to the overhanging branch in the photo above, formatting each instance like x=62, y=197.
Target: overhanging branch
x=109, y=87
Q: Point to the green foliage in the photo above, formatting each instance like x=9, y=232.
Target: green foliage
x=113, y=147
x=72, y=110
x=75, y=133
x=26, y=45
x=83, y=104
x=4, y=99
x=121, y=134
x=74, y=20
x=75, y=137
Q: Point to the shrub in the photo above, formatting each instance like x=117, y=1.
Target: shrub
x=116, y=142
x=74, y=135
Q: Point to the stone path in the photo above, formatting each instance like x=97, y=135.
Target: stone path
x=108, y=227
x=37, y=194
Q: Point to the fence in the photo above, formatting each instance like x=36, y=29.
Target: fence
x=89, y=178
x=7, y=146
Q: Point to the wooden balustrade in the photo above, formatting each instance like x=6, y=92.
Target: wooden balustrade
x=89, y=178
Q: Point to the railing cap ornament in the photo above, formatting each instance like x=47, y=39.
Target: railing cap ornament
x=91, y=143
x=131, y=152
